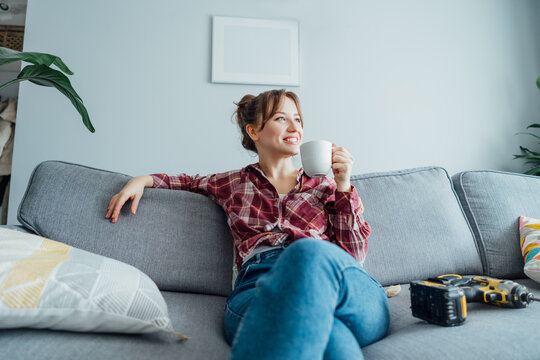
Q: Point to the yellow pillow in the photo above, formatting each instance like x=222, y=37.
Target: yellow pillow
x=48, y=284
x=529, y=234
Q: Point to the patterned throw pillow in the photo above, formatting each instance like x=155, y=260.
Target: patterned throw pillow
x=48, y=284
x=529, y=234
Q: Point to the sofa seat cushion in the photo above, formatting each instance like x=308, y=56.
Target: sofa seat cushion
x=418, y=228
x=180, y=239
x=493, y=202
x=489, y=332
x=200, y=315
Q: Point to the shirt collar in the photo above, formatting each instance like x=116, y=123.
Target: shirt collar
x=299, y=178
x=257, y=167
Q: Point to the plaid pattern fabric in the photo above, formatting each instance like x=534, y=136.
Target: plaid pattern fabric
x=313, y=209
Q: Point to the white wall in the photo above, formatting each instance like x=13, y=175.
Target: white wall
x=399, y=83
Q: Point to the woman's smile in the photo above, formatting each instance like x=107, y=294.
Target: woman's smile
x=293, y=140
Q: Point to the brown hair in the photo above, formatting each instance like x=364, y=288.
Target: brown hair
x=257, y=110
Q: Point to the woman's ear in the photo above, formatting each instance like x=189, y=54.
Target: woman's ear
x=252, y=132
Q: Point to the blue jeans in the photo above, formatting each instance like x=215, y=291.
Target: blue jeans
x=310, y=300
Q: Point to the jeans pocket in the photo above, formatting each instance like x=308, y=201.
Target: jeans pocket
x=242, y=276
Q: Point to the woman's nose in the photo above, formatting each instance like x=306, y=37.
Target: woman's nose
x=293, y=125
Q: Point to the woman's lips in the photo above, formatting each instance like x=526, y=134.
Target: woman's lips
x=291, y=140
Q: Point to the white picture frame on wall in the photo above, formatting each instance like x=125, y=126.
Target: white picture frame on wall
x=254, y=51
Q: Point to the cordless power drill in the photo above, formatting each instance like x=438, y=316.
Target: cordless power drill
x=443, y=300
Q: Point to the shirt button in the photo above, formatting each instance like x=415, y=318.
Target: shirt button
x=268, y=227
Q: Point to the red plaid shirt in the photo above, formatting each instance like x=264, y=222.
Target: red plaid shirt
x=313, y=209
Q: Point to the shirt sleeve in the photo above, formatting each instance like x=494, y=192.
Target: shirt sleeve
x=348, y=229
x=216, y=186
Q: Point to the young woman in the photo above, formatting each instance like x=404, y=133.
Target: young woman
x=301, y=292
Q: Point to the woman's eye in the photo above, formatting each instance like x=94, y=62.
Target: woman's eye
x=280, y=118
x=298, y=120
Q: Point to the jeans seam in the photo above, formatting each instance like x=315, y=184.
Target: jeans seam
x=345, y=323
x=341, y=279
x=242, y=278
x=347, y=267
x=233, y=312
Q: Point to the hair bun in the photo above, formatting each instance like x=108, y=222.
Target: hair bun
x=245, y=100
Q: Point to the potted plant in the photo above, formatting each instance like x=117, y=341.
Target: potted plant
x=41, y=73
x=531, y=157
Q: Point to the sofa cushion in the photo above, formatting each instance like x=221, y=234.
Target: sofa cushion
x=418, y=227
x=200, y=315
x=48, y=284
x=493, y=202
x=529, y=242
x=180, y=239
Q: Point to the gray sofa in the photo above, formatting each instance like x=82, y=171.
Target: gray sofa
x=424, y=223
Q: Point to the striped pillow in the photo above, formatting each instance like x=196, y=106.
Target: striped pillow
x=529, y=234
x=48, y=284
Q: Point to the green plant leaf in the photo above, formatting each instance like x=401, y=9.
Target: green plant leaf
x=532, y=158
x=8, y=56
x=533, y=171
x=45, y=76
x=538, y=82
x=533, y=126
x=528, y=133
x=524, y=149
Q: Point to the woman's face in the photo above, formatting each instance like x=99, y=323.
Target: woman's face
x=282, y=134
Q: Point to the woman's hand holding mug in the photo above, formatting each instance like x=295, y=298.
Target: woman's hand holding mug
x=342, y=163
x=319, y=156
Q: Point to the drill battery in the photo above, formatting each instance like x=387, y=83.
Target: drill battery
x=438, y=303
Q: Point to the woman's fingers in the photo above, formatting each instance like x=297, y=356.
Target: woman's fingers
x=116, y=211
x=115, y=214
x=135, y=203
x=110, y=207
x=341, y=154
x=342, y=162
x=116, y=206
x=342, y=158
x=118, y=201
x=340, y=167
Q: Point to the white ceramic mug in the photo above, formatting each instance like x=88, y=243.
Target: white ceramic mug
x=316, y=157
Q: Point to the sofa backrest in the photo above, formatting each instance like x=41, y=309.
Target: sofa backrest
x=493, y=202
x=180, y=239
x=418, y=227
